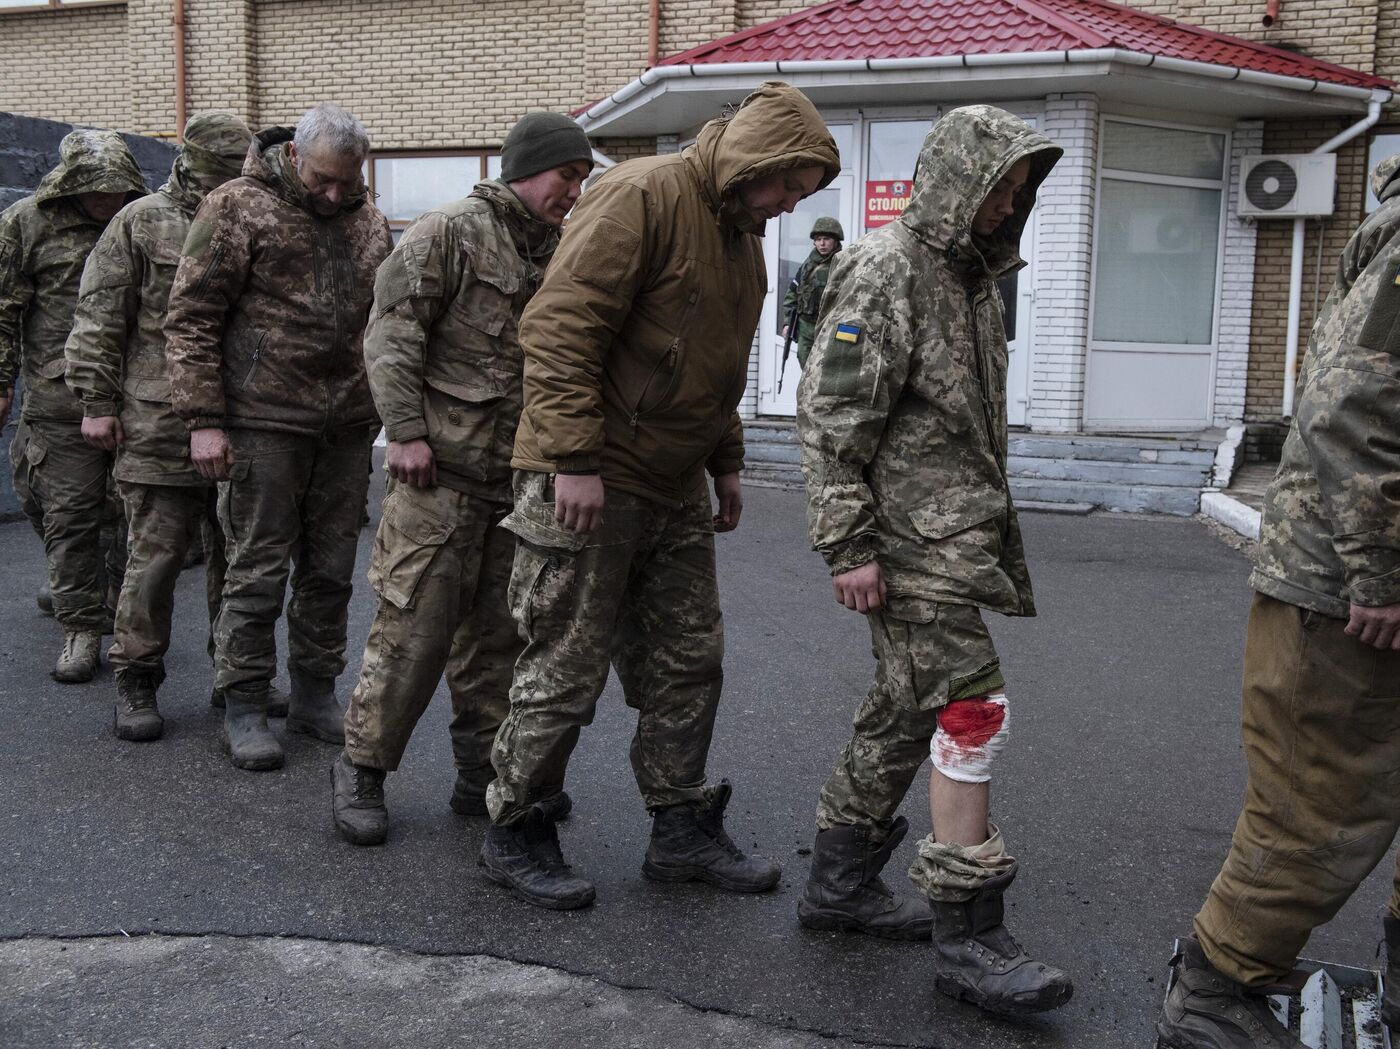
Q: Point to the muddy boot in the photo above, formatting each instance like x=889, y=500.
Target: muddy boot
x=82, y=652
x=1205, y=1009
x=688, y=843
x=469, y=799
x=276, y=701
x=1390, y=1004
x=136, y=717
x=977, y=960
x=44, y=599
x=845, y=890
x=313, y=710
x=357, y=802
x=246, y=736
x=525, y=858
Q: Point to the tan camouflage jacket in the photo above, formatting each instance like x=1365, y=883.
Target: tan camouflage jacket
x=901, y=410
x=442, y=346
x=266, y=323
x=637, y=345
x=44, y=242
x=1330, y=536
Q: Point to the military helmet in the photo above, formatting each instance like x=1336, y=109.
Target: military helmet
x=827, y=227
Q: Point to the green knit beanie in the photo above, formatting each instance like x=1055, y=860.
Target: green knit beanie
x=541, y=141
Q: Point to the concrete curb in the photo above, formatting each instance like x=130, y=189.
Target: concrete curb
x=1231, y=513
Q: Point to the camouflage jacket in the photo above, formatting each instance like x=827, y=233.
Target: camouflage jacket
x=1330, y=536
x=266, y=323
x=805, y=294
x=637, y=344
x=902, y=406
x=442, y=346
x=44, y=242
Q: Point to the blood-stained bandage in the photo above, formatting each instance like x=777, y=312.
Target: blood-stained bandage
x=971, y=733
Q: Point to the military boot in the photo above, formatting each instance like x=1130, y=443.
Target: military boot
x=688, y=843
x=525, y=858
x=845, y=890
x=136, y=717
x=276, y=701
x=82, y=652
x=357, y=802
x=44, y=599
x=313, y=710
x=977, y=960
x=469, y=799
x=1390, y=1004
x=247, y=738
x=1205, y=1009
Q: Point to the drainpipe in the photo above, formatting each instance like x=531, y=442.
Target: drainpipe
x=1295, y=269
x=1270, y=13
x=653, y=33
x=178, y=20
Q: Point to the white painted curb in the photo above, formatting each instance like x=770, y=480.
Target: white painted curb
x=1231, y=513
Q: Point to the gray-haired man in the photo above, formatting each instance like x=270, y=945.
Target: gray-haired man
x=264, y=344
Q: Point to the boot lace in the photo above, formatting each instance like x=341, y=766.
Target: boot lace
x=368, y=787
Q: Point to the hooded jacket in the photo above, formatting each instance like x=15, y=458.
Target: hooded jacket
x=267, y=315
x=116, y=351
x=44, y=241
x=902, y=406
x=637, y=344
x=1330, y=535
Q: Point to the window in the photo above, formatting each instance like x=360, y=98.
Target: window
x=1385, y=143
x=406, y=185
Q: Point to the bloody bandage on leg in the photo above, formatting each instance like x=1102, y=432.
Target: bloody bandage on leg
x=971, y=733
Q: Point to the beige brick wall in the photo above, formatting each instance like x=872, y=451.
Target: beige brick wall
x=1342, y=31
x=67, y=65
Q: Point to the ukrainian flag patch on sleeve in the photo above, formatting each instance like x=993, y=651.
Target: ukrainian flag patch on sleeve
x=848, y=333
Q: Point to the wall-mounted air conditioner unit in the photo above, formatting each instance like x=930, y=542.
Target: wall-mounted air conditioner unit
x=1288, y=185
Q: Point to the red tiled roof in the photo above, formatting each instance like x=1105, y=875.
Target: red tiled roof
x=859, y=29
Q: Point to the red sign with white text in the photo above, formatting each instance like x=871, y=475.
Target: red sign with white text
x=885, y=201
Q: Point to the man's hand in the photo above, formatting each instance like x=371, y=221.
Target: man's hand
x=211, y=453
x=578, y=501
x=729, y=493
x=1377, y=627
x=861, y=589
x=104, y=431
x=7, y=398
x=785, y=330
x=412, y=463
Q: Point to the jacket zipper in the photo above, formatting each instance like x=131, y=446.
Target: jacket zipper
x=671, y=357
x=972, y=300
x=202, y=285
x=253, y=367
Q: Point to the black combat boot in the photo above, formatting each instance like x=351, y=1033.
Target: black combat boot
x=688, y=843
x=469, y=799
x=135, y=717
x=845, y=890
x=357, y=802
x=977, y=960
x=1390, y=1004
x=525, y=858
x=1205, y=1009
x=313, y=710
x=276, y=701
x=247, y=738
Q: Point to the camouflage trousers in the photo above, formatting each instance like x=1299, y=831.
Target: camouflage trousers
x=163, y=520
x=640, y=592
x=441, y=568
x=293, y=499
x=926, y=656
x=65, y=488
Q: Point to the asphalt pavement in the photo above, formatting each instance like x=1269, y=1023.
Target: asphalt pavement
x=151, y=894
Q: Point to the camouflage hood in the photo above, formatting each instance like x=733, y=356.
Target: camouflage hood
x=776, y=128
x=267, y=161
x=533, y=238
x=213, y=151
x=91, y=161
x=963, y=157
x=1384, y=183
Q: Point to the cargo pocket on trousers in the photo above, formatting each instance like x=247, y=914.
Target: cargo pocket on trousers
x=914, y=671
x=533, y=517
x=408, y=539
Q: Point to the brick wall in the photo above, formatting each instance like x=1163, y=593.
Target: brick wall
x=69, y=65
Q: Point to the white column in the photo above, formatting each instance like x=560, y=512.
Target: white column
x=1236, y=285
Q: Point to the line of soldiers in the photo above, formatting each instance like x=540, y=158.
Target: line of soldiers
x=553, y=405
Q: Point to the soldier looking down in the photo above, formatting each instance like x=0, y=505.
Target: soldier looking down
x=265, y=352
x=444, y=362
x=902, y=421
x=804, y=296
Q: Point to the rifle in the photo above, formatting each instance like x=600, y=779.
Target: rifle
x=787, y=339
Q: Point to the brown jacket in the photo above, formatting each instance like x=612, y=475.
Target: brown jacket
x=637, y=344
x=266, y=323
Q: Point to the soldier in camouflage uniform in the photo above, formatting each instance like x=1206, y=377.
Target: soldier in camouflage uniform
x=1321, y=719
x=444, y=367
x=902, y=421
x=116, y=369
x=264, y=345
x=804, y=295
x=44, y=241
x=636, y=354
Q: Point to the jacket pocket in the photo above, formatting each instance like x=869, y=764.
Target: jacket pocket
x=253, y=358
x=485, y=307
x=462, y=424
x=958, y=511
x=409, y=537
x=54, y=367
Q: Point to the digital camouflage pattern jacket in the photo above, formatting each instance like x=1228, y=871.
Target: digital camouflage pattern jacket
x=266, y=324
x=805, y=294
x=44, y=242
x=116, y=351
x=443, y=348
x=902, y=406
x=1330, y=535
x=637, y=344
